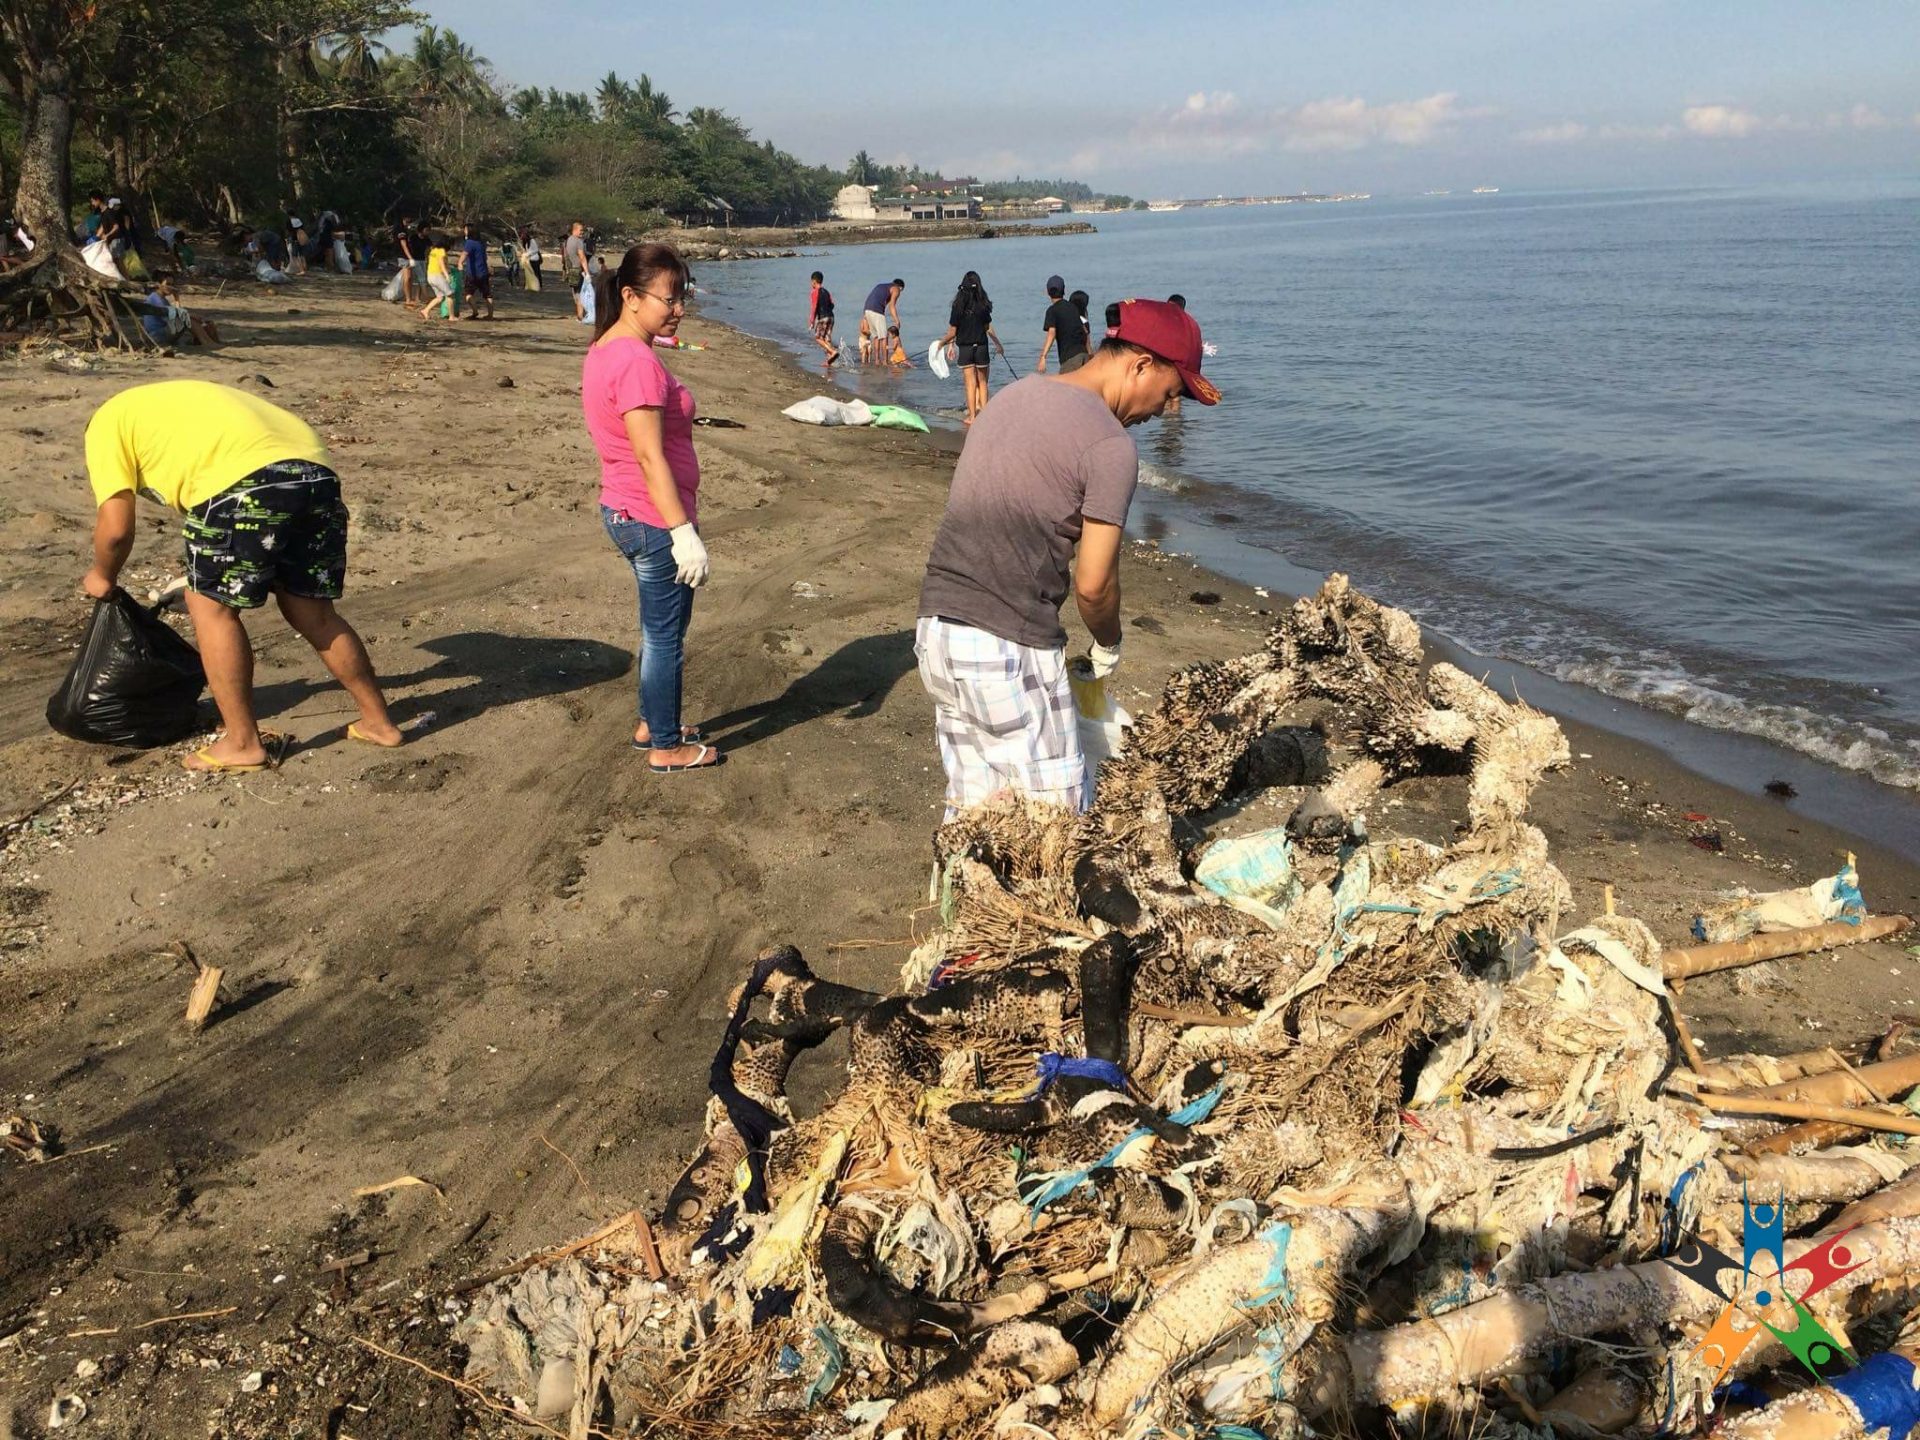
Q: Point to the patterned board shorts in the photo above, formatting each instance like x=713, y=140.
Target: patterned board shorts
x=284, y=526
x=1004, y=715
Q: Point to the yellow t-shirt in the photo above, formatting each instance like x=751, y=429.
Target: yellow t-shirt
x=437, y=262
x=182, y=442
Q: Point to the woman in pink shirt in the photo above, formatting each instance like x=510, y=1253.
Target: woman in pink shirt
x=641, y=421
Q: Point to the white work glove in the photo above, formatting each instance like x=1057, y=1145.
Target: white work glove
x=689, y=556
x=1104, y=659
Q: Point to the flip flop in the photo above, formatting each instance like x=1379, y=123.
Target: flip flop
x=353, y=733
x=703, y=763
x=689, y=735
x=273, y=741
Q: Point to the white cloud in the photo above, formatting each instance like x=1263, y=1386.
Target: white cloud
x=1211, y=124
x=1721, y=122
x=1865, y=117
x=1351, y=124
x=1565, y=133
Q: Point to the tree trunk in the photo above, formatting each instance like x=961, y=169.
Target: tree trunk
x=122, y=158
x=292, y=189
x=42, y=198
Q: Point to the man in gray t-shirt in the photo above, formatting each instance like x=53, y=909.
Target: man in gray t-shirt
x=1044, y=483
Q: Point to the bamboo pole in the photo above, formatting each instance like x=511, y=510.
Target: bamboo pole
x=1867, y=1084
x=1729, y=955
x=1802, y=1110
x=1738, y=1072
x=1811, y=1133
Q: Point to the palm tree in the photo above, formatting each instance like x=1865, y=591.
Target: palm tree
x=652, y=103
x=860, y=169
x=613, y=96
x=357, y=56
x=443, y=67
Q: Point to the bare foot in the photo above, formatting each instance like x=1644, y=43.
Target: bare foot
x=383, y=733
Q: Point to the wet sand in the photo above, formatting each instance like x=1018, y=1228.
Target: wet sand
x=497, y=958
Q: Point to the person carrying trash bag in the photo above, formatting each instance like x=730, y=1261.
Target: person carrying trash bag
x=1046, y=479
x=262, y=515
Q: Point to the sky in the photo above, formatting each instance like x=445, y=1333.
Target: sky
x=1183, y=99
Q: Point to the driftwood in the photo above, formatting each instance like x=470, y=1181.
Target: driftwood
x=1479, y=1343
x=1832, y=1412
x=1730, y=954
x=1863, y=1119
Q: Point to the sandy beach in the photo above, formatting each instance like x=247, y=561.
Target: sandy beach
x=497, y=958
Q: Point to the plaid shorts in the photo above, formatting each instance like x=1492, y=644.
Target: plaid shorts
x=282, y=527
x=1004, y=715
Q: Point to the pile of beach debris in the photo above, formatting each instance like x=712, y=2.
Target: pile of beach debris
x=1310, y=1128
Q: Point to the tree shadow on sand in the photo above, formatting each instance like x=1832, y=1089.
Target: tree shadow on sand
x=856, y=679
x=498, y=669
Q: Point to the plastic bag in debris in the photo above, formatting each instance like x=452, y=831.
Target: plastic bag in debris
x=267, y=275
x=896, y=417
x=1257, y=867
x=825, y=410
x=342, y=257
x=135, y=682
x=1102, y=723
x=395, y=287
x=1835, y=898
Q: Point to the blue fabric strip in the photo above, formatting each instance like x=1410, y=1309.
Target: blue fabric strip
x=1065, y=1183
x=1273, y=1285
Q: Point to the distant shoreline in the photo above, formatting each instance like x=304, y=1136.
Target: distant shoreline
x=768, y=242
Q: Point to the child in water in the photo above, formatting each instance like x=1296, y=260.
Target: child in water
x=895, y=354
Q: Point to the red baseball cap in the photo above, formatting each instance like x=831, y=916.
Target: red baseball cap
x=1170, y=334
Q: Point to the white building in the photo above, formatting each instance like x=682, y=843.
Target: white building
x=855, y=202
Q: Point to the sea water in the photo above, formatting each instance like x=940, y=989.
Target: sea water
x=1664, y=444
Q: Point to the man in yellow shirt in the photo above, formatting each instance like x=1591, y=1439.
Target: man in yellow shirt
x=261, y=514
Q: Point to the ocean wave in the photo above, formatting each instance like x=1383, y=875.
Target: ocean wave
x=1850, y=745
x=1154, y=478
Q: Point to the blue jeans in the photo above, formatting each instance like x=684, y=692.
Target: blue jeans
x=665, y=608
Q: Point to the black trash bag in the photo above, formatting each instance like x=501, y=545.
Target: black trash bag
x=136, y=682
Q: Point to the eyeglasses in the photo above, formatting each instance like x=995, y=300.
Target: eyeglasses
x=672, y=302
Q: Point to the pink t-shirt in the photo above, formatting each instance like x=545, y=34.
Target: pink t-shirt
x=621, y=375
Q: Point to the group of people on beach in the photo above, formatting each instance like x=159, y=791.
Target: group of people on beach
x=970, y=340
x=1037, y=509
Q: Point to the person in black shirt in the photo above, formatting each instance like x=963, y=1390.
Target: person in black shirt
x=820, y=316
x=1065, y=330
x=969, y=330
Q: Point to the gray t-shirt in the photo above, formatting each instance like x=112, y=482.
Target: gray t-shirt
x=1041, y=457
x=573, y=254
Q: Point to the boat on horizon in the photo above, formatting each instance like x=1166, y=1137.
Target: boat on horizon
x=1439, y=192
x=1161, y=207
x=1486, y=189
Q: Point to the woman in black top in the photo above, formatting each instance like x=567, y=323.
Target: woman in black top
x=969, y=330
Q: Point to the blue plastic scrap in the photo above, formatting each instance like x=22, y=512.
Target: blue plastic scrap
x=1052, y=1067
x=1853, y=905
x=830, y=1373
x=1882, y=1390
